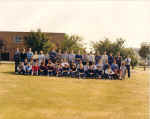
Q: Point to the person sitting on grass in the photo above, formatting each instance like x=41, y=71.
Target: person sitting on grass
x=81, y=73
x=28, y=69
x=123, y=71
x=86, y=67
x=115, y=69
x=58, y=70
x=90, y=72
x=50, y=69
x=26, y=62
x=65, y=70
x=21, y=69
x=108, y=74
x=42, y=69
x=35, y=68
x=73, y=71
x=98, y=71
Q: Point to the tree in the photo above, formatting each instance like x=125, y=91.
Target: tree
x=72, y=42
x=143, y=52
x=38, y=41
x=107, y=45
x=115, y=47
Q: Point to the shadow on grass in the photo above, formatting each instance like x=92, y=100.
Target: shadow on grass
x=12, y=73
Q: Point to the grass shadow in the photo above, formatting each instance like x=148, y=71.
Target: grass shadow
x=12, y=73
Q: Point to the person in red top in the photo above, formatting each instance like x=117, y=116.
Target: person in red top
x=35, y=69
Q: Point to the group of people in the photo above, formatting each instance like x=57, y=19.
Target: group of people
x=69, y=64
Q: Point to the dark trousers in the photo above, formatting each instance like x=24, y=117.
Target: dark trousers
x=128, y=70
x=16, y=65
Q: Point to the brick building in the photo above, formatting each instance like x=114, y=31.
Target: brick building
x=9, y=41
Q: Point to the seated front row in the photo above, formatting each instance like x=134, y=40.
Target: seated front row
x=98, y=71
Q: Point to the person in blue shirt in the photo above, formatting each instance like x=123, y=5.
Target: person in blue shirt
x=110, y=59
x=29, y=54
x=119, y=60
x=81, y=73
x=97, y=57
x=115, y=69
x=78, y=57
x=28, y=69
x=53, y=55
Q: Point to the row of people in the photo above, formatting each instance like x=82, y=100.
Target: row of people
x=63, y=68
x=69, y=57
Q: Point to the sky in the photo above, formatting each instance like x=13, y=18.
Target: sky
x=93, y=20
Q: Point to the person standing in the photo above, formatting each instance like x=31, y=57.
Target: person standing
x=65, y=56
x=35, y=56
x=71, y=57
x=110, y=59
x=53, y=55
x=41, y=57
x=91, y=58
x=29, y=54
x=104, y=58
x=59, y=55
x=128, y=62
x=23, y=55
x=97, y=57
x=78, y=57
x=17, y=59
x=119, y=60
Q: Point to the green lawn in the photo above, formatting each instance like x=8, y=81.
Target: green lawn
x=32, y=97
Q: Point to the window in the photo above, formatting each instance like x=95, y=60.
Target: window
x=18, y=39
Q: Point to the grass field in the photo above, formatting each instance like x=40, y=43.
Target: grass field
x=31, y=97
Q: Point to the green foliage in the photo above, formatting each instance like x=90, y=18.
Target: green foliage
x=115, y=47
x=72, y=42
x=107, y=45
x=144, y=51
x=38, y=41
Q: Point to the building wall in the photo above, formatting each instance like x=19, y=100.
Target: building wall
x=13, y=40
